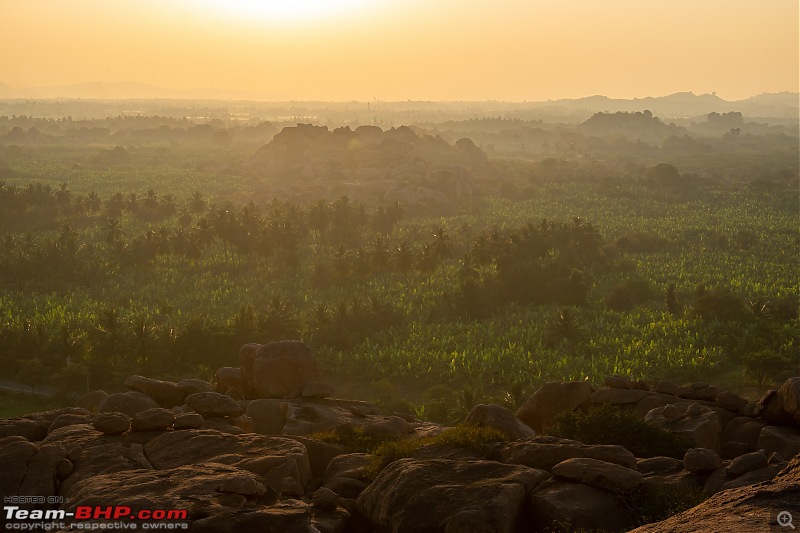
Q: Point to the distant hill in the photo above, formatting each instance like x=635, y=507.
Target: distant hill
x=123, y=90
x=681, y=105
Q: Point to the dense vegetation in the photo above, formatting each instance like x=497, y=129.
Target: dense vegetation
x=153, y=262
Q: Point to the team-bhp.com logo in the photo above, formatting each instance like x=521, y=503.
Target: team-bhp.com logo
x=94, y=517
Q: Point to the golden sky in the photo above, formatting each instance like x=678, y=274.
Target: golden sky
x=408, y=49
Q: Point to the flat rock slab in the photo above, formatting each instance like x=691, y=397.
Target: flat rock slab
x=271, y=457
x=599, y=474
x=439, y=495
x=201, y=489
x=545, y=452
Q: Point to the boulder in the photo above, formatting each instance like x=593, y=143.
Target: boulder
x=152, y=419
x=499, y=418
x=599, y=474
x=551, y=399
x=759, y=475
x=42, y=470
x=783, y=440
x=277, y=369
x=730, y=401
x=545, y=452
x=91, y=400
x=270, y=457
x=738, y=510
x=743, y=429
x=747, y=463
x=92, y=453
x=14, y=457
x=411, y=496
x=324, y=498
x=699, y=391
x=32, y=430
x=319, y=453
x=317, y=415
x=213, y=404
x=770, y=408
x=698, y=423
x=165, y=393
x=228, y=378
x=346, y=474
x=789, y=397
x=187, y=421
x=112, y=423
x=659, y=466
x=192, y=386
x=268, y=416
x=69, y=420
x=699, y=460
x=217, y=498
x=128, y=403
x=558, y=506
x=666, y=387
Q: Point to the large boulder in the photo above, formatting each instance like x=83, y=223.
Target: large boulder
x=410, y=496
x=213, y=404
x=128, y=403
x=789, y=398
x=783, y=440
x=545, y=452
x=738, y=510
x=277, y=369
x=558, y=506
x=165, y=393
x=599, y=474
x=92, y=453
x=15, y=452
x=346, y=474
x=551, y=399
x=113, y=423
x=305, y=416
x=91, y=400
x=499, y=418
x=699, y=460
x=228, y=379
x=270, y=457
x=268, y=416
x=153, y=420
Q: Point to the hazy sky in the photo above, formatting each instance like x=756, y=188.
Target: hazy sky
x=408, y=49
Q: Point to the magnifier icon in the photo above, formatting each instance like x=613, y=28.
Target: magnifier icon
x=785, y=519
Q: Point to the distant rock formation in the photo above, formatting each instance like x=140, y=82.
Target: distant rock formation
x=371, y=165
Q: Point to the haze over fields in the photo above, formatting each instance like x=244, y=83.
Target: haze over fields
x=397, y=50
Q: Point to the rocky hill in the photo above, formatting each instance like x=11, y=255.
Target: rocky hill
x=267, y=448
x=368, y=164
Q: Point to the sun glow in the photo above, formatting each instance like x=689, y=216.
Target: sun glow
x=286, y=10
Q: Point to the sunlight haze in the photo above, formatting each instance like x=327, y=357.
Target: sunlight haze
x=410, y=49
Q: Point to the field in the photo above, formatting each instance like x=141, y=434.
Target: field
x=152, y=259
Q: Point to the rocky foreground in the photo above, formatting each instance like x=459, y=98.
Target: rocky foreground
x=245, y=455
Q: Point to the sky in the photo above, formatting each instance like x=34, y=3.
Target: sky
x=389, y=50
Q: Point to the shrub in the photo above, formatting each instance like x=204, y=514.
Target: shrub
x=607, y=424
x=475, y=438
x=355, y=439
x=659, y=502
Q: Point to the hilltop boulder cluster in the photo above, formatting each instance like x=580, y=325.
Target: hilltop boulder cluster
x=370, y=165
x=244, y=453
